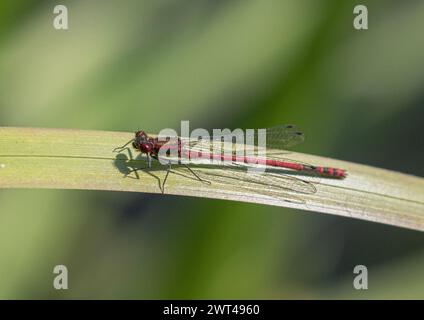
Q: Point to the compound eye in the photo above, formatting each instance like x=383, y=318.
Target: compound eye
x=146, y=147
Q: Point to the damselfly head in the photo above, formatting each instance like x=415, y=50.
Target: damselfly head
x=140, y=138
x=142, y=142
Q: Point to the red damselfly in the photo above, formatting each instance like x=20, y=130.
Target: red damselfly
x=188, y=151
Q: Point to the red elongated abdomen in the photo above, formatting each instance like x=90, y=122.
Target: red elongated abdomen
x=325, y=171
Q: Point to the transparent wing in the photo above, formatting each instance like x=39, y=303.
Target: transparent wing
x=283, y=137
x=278, y=138
x=277, y=186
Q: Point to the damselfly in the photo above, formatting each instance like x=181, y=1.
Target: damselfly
x=188, y=152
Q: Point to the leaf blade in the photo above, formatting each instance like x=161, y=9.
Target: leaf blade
x=80, y=159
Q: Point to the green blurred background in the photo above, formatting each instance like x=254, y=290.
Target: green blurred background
x=123, y=65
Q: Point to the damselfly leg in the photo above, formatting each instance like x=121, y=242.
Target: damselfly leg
x=189, y=169
x=123, y=147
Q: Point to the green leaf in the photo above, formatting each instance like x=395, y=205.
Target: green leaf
x=77, y=159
